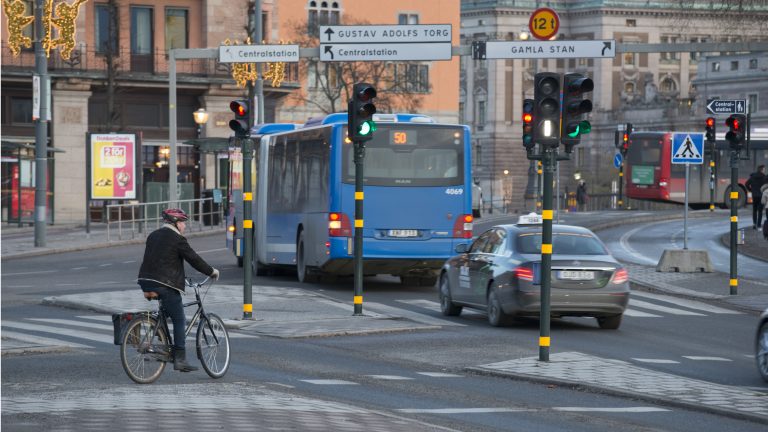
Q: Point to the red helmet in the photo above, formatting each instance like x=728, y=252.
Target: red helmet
x=174, y=215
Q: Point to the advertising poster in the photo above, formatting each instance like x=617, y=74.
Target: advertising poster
x=113, y=166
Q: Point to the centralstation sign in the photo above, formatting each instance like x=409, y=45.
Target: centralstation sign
x=258, y=53
x=385, y=42
x=543, y=49
x=726, y=106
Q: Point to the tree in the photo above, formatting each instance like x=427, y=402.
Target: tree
x=329, y=83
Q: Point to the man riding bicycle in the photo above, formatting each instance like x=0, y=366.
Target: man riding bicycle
x=162, y=272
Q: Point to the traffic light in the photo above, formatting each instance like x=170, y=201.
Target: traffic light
x=546, y=112
x=736, y=123
x=575, y=85
x=625, y=142
x=239, y=124
x=710, y=126
x=360, y=110
x=529, y=141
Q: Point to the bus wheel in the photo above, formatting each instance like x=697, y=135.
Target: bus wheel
x=741, y=202
x=239, y=261
x=303, y=273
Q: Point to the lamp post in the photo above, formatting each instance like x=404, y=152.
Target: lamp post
x=201, y=118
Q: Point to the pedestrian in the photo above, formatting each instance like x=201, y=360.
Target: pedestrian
x=582, y=197
x=477, y=199
x=162, y=272
x=756, y=181
x=764, y=202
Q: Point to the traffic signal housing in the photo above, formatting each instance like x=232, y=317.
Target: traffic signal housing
x=710, y=128
x=546, y=113
x=625, y=143
x=575, y=86
x=529, y=140
x=735, y=136
x=239, y=124
x=360, y=111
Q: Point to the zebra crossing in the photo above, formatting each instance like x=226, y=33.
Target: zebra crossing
x=83, y=331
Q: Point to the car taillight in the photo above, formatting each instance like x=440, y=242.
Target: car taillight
x=663, y=182
x=524, y=273
x=463, y=227
x=338, y=225
x=620, y=276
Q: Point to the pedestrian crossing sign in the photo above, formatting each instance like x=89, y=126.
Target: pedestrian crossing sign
x=688, y=148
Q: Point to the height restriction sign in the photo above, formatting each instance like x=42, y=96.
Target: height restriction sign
x=544, y=23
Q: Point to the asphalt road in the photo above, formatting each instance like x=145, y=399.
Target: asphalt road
x=400, y=373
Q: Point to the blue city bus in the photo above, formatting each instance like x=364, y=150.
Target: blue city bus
x=417, y=197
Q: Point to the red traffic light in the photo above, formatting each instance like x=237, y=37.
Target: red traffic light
x=239, y=107
x=626, y=137
x=527, y=117
x=710, y=122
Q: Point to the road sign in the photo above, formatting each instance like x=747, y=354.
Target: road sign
x=726, y=106
x=544, y=23
x=687, y=148
x=549, y=49
x=385, y=51
x=258, y=53
x=385, y=34
x=617, y=160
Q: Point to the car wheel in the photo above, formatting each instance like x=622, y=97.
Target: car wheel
x=427, y=281
x=761, y=350
x=447, y=307
x=496, y=316
x=609, y=322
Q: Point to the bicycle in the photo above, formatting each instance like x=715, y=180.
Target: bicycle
x=147, y=346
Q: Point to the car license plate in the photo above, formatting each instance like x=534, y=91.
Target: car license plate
x=576, y=275
x=403, y=233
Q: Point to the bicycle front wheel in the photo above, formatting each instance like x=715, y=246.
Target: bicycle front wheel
x=145, y=350
x=213, y=345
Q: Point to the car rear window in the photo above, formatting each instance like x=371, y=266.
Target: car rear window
x=562, y=244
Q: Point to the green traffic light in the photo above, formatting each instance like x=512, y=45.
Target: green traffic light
x=366, y=128
x=585, y=127
x=575, y=132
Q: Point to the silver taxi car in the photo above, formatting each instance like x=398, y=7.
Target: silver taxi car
x=500, y=271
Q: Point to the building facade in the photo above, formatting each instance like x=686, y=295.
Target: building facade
x=654, y=91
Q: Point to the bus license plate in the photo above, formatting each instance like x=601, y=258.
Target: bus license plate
x=577, y=275
x=403, y=233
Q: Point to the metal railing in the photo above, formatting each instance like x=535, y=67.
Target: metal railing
x=129, y=221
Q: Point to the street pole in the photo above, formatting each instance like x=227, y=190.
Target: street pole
x=734, y=282
x=549, y=157
x=712, y=176
x=621, y=184
x=358, y=257
x=685, y=207
x=41, y=129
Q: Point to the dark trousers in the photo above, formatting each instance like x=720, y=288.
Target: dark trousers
x=170, y=300
x=757, y=211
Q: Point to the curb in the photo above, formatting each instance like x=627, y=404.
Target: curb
x=660, y=400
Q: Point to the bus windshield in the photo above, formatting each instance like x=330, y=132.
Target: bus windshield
x=645, y=151
x=410, y=155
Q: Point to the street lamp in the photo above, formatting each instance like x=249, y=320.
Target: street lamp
x=201, y=118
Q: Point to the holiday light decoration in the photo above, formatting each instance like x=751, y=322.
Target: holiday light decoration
x=64, y=21
x=66, y=15
x=16, y=21
x=242, y=73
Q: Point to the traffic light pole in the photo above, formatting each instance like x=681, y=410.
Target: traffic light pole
x=358, y=257
x=712, y=176
x=41, y=129
x=549, y=157
x=247, y=229
x=621, y=184
x=734, y=281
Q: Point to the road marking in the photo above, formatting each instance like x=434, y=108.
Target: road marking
x=105, y=265
x=435, y=306
x=79, y=268
x=73, y=323
x=212, y=250
x=30, y=273
x=415, y=316
x=106, y=318
x=440, y=375
x=330, y=382
x=636, y=313
x=390, y=377
x=21, y=286
x=705, y=358
x=67, y=284
x=280, y=385
x=129, y=262
x=462, y=410
x=690, y=304
x=95, y=337
x=40, y=340
x=659, y=361
x=624, y=242
x=673, y=311
x=610, y=409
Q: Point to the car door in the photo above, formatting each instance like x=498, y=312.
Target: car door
x=464, y=291
x=487, y=265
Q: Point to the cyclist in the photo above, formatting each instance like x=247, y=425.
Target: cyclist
x=162, y=272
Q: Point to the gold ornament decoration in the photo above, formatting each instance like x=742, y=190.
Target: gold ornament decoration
x=242, y=73
x=66, y=15
x=16, y=21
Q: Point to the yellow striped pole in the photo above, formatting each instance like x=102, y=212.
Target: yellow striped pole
x=550, y=160
x=734, y=218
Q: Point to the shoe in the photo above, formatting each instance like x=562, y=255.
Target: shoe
x=180, y=361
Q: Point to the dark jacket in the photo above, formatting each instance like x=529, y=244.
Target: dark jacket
x=164, y=259
x=755, y=182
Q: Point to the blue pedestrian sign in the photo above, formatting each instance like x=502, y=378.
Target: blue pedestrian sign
x=617, y=160
x=688, y=148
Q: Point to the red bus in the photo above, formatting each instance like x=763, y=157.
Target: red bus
x=650, y=174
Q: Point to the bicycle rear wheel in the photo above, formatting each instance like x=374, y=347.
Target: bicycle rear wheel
x=145, y=349
x=213, y=345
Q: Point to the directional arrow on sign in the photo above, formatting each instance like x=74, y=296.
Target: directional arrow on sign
x=329, y=32
x=328, y=50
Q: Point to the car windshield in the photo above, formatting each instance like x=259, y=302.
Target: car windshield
x=562, y=244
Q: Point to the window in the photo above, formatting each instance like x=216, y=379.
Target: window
x=752, y=103
x=176, y=28
x=322, y=13
x=629, y=59
x=411, y=78
x=631, y=23
x=753, y=63
x=481, y=113
x=715, y=66
x=667, y=85
x=102, y=31
x=629, y=88
x=403, y=19
x=141, y=30
x=21, y=110
x=734, y=65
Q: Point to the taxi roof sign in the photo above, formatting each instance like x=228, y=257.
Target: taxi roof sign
x=530, y=219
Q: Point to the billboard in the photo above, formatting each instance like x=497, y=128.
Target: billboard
x=112, y=159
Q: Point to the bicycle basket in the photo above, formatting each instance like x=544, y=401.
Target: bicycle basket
x=119, y=322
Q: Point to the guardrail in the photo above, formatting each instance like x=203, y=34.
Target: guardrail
x=128, y=221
